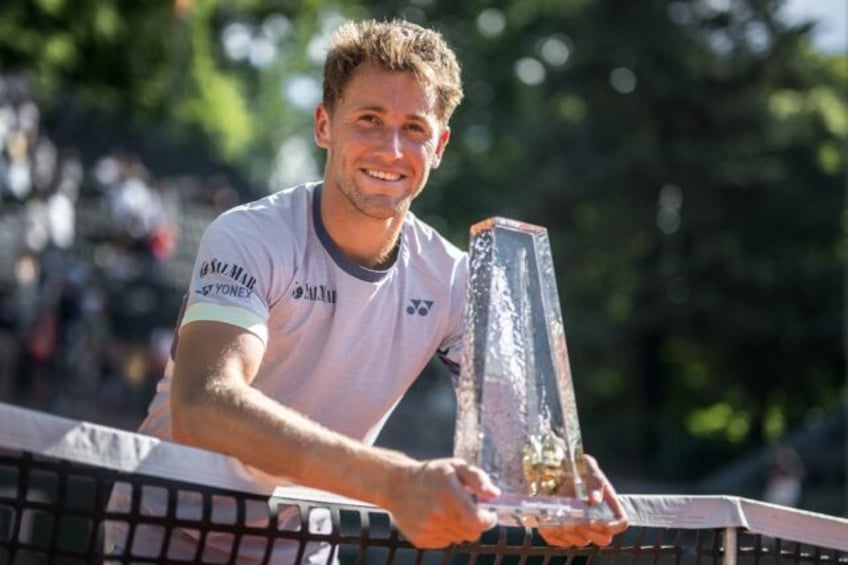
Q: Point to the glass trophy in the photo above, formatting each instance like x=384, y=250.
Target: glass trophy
x=516, y=411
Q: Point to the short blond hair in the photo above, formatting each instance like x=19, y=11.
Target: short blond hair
x=395, y=45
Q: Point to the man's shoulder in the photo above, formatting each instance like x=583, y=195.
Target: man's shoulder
x=424, y=239
x=291, y=198
x=431, y=254
x=279, y=211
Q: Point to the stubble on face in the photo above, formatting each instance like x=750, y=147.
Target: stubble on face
x=378, y=207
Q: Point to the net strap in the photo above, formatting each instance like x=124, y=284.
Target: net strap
x=102, y=446
x=703, y=512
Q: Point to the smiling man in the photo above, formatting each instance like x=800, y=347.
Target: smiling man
x=344, y=298
x=383, y=136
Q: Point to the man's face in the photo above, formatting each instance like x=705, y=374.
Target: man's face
x=382, y=138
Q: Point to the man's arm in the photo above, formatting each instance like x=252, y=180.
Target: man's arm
x=214, y=407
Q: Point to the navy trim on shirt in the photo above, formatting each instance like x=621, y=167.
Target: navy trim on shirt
x=348, y=266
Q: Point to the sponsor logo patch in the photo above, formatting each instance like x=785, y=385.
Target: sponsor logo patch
x=238, y=283
x=419, y=306
x=314, y=293
x=235, y=272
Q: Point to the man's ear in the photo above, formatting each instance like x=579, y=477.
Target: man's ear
x=444, y=137
x=321, y=129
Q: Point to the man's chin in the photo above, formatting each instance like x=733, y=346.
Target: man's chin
x=380, y=209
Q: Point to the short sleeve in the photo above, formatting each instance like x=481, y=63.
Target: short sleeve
x=231, y=276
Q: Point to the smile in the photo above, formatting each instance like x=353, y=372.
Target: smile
x=383, y=175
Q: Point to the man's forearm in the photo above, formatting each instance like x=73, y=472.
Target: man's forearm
x=236, y=419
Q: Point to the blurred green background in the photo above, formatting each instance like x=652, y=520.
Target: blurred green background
x=687, y=157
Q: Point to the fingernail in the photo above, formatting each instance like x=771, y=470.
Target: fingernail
x=491, y=487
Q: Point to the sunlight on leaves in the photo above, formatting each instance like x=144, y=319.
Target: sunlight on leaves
x=571, y=108
x=774, y=422
x=60, y=51
x=830, y=158
x=719, y=420
x=52, y=7
x=107, y=22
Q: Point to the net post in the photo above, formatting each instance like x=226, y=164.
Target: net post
x=731, y=541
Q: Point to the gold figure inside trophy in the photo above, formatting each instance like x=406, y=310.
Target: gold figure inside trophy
x=546, y=468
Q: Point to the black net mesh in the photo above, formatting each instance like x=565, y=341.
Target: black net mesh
x=57, y=511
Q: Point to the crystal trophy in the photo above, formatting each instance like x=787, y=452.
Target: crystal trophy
x=516, y=411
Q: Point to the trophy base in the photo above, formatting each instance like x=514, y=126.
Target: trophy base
x=534, y=511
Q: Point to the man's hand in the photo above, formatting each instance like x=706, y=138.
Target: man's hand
x=432, y=503
x=599, y=532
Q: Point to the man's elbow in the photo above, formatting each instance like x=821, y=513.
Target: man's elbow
x=187, y=417
x=195, y=404
x=181, y=429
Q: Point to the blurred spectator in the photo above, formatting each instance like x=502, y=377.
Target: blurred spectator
x=143, y=229
x=134, y=206
x=16, y=165
x=25, y=298
x=19, y=123
x=89, y=257
x=785, y=478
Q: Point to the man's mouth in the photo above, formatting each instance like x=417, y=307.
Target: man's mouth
x=383, y=175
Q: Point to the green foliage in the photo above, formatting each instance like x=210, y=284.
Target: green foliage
x=212, y=99
x=146, y=61
x=687, y=161
x=688, y=165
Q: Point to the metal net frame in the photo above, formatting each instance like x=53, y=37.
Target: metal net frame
x=53, y=511
x=56, y=477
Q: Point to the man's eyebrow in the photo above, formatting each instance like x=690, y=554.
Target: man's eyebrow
x=371, y=108
x=382, y=110
x=418, y=118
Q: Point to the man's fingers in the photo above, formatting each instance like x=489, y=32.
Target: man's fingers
x=578, y=535
x=599, y=532
x=445, y=532
x=487, y=518
x=600, y=490
x=449, y=513
x=476, y=481
x=563, y=538
x=596, y=481
x=617, y=526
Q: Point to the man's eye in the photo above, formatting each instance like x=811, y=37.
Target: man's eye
x=370, y=120
x=416, y=128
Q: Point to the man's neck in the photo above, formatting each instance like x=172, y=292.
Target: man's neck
x=370, y=242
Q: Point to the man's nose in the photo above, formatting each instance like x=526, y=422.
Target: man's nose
x=391, y=143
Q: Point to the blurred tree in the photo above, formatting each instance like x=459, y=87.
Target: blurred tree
x=686, y=156
x=147, y=62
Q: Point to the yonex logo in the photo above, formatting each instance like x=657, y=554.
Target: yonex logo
x=235, y=290
x=420, y=307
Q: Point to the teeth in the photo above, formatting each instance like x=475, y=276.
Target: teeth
x=383, y=175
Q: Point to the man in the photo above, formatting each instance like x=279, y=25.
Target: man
x=296, y=342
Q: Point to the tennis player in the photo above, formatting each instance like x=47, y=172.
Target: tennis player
x=298, y=337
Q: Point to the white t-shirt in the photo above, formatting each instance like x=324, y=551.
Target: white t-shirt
x=343, y=343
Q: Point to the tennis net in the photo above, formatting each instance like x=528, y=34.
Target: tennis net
x=57, y=476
